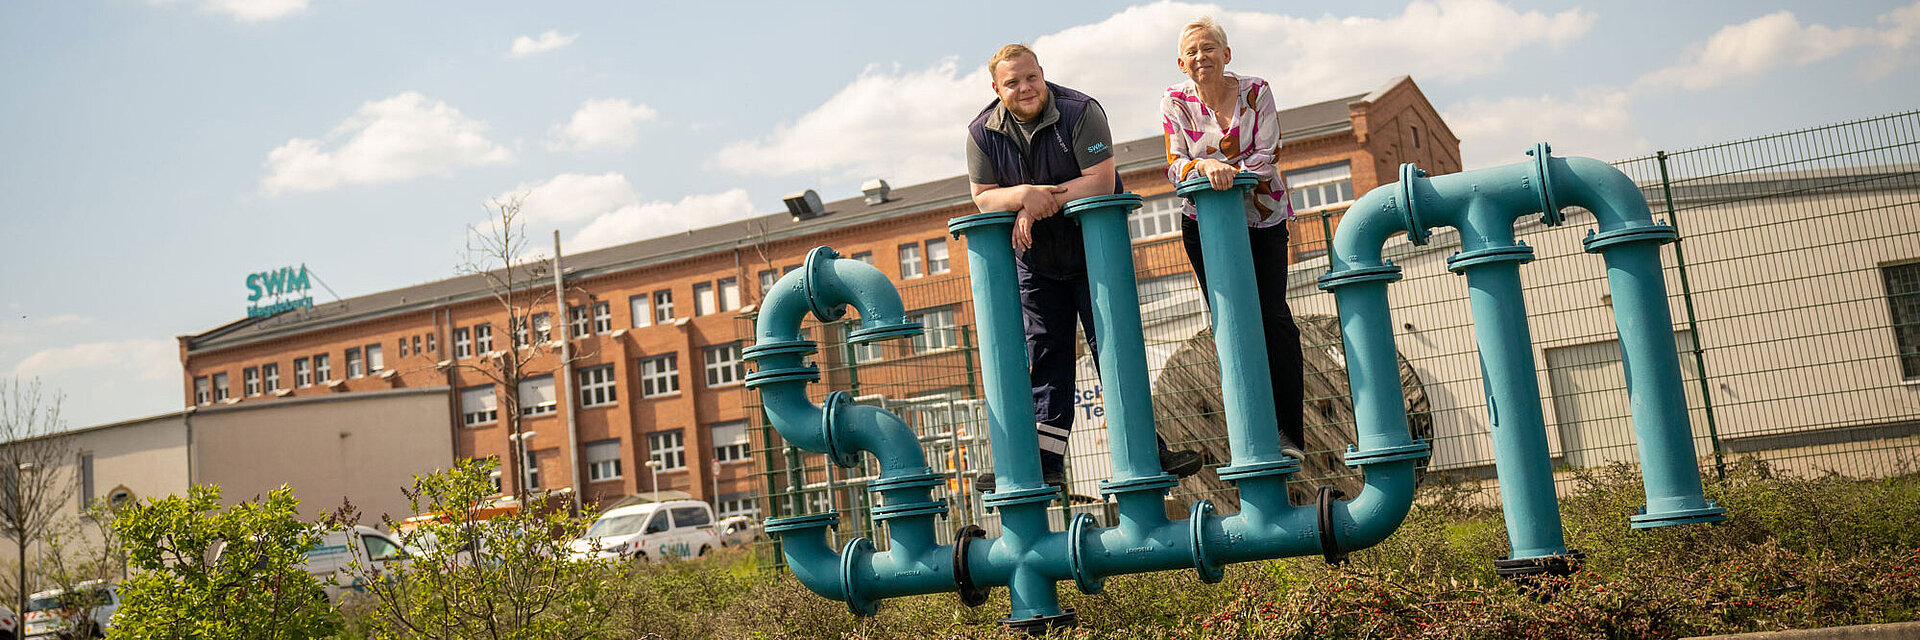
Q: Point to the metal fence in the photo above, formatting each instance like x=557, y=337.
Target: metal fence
x=1795, y=291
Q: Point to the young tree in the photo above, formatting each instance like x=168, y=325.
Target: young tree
x=520, y=280
x=34, y=470
x=508, y=576
x=76, y=563
x=252, y=586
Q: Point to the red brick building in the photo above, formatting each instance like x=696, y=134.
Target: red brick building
x=657, y=325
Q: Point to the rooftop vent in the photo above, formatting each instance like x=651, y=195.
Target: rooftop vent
x=876, y=190
x=804, y=205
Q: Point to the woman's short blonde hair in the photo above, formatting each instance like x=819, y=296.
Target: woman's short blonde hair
x=1204, y=23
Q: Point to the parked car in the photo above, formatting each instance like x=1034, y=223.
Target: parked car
x=9, y=624
x=655, y=531
x=50, y=612
x=336, y=556
x=739, y=530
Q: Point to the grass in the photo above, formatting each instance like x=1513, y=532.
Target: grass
x=1797, y=553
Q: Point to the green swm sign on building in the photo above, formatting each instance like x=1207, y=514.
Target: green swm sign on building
x=279, y=285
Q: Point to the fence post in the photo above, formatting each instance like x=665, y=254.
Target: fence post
x=1693, y=325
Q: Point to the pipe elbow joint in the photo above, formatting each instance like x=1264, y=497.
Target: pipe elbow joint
x=803, y=540
x=832, y=284
x=1378, y=511
x=1364, y=229
x=1612, y=196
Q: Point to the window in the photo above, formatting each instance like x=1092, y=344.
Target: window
x=478, y=405
x=910, y=261
x=596, y=386
x=1903, y=302
x=738, y=506
x=729, y=293
x=659, y=375
x=703, y=301
x=940, y=331
x=642, y=312
x=403, y=346
x=323, y=367
x=767, y=278
x=416, y=346
x=543, y=327
x=1327, y=185
x=251, y=378
x=663, y=306
x=667, y=448
x=355, y=368
x=483, y=337
x=86, y=481
x=536, y=396
x=220, y=391
x=1155, y=218
x=865, y=352
x=519, y=332
x=684, y=517
x=730, y=441
x=462, y=343
x=302, y=373
x=864, y=256
x=1416, y=137
x=582, y=323
x=723, y=364
x=937, y=256
x=602, y=317
x=533, y=472
x=271, y=374
x=603, y=460
x=202, y=390
x=431, y=347
x=374, y=362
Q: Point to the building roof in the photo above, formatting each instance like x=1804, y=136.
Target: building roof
x=1307, y=121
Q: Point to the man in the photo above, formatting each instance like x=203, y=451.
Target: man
x=1036, y=148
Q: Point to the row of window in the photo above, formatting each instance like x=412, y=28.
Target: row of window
x=666, y=450
x=941, y=331
x=659, y=376
x=307, y=372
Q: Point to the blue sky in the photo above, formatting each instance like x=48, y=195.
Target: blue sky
x=153, y=153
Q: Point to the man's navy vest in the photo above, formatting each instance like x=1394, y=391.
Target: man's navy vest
x=1057, y=248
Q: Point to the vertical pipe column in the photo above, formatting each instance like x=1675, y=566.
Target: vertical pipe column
x=1239, y=337
x=1668, y=462
x=1003, y=356
x=1125, y=394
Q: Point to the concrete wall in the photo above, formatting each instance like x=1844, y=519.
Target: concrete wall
x=362, y=447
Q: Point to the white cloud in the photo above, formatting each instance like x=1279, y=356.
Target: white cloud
x=1752, y=48
x=524, y=46
x=908, y=125
x=615, y=214
x=570, y=197
x=147, y=360
x=1596, y=123
x=399, y=138
x=603, y=124
x=653, y=219
x=248, y=10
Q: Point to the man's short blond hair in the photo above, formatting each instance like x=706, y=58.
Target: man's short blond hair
x=1205, y=23
x=1009, y=52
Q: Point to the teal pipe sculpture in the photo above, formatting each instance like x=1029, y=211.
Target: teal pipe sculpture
x=1028, y=557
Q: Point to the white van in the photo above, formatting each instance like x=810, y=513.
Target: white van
x=338, y=550
x=672, y=529
x=46, y=617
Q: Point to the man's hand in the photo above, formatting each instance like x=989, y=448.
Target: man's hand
x=1037, y=202
x=1219, y=174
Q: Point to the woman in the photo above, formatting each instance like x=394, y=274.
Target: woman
x=1217, y=125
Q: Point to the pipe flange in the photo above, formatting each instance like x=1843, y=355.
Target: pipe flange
x=1709, y=513
x=885, y=332
x=1039, y=625
x=1195, y=185
x=957, y=226
x=1329, y=540
x=1409, y=208
x=1239, y=472
x=1076, y=555
x=1560, y=565
x=1519, y=252
x=1208, y=571
x=889, y=512
x=765, y=377
x=926, y=478
x=830, y=425
x=1543, y=179
x=1095, y=203
x=1388, y=272
x=775, y=526
x=1657, y=233
x=999, y=499
x=1159, y=482
x=970, y=594
x=1419, y=449
x=819, y=260
x=859, y=604
x=772, y=348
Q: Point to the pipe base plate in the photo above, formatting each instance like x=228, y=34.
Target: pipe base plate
x=1709, y=513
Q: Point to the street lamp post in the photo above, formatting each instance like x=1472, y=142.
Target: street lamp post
x=526, y=464
x=654, y=467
